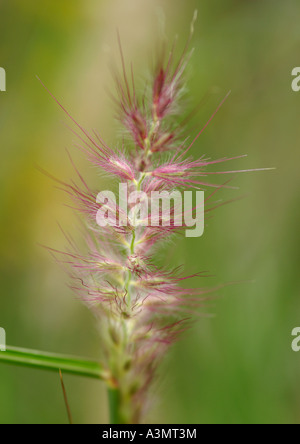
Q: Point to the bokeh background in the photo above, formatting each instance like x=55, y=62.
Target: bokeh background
x=237, y=365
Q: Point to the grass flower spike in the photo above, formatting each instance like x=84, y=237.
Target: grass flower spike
x=141, y=308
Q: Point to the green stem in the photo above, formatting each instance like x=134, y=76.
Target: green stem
x=151, y=132
x=53, y=362
x=132, y=246
x=114, y=406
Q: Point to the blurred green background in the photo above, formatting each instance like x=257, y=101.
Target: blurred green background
x=234, y=367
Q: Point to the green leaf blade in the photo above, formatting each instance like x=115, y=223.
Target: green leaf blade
x=53, y=362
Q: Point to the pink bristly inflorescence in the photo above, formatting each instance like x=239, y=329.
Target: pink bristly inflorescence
x=141, y=307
